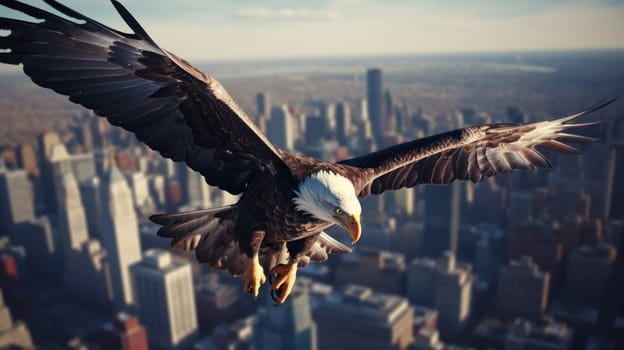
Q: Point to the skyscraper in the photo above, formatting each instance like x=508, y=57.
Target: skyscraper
x=91, y=196
x=263, y=103
x=165, y=299
x=359, y=318
x=442, y=218
x=288, y=327
x=71, y=216
x=45, y=142
x=328, y=115
x=120, y=234
x=280, y=130
x=374, y=95
x=59, y=164
x=16, y=199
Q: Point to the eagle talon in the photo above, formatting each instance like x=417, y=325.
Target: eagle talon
x=285, y=275
x=254, y=277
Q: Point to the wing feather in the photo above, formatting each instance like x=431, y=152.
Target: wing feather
x=170, y=105
x=471, y=154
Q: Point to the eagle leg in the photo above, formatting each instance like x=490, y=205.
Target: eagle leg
x=285, y=275
x=254, y=273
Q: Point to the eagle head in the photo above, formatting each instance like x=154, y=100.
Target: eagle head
x=330, y=197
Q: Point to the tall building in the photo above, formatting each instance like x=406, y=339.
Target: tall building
x=91, y=196
x=16, y=199
x=280, y=129
x=71, y=216
x=288, y=327
x=120, y=234
x=442, y=218
x=328, y=116
x=343, y=122
x=165, y=300
x=263, y=104
x=522, y=290
x=374, y=96
x=444, y=285
x=124, y=333
x=59, y=164
x=46, y=141
x=359, y=318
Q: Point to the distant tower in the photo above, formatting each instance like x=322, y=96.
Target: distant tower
x=263, y=103
x=343, y=122
x=374, y=95
x=165, y=299
x=287, y=327
x=280, y=130
x=120, y=234
x=328, y=115
x=16, y=200
x=71, y=216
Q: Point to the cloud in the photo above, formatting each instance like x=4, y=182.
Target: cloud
x=264, y=13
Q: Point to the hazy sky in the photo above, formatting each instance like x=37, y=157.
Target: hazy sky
x=245, y=29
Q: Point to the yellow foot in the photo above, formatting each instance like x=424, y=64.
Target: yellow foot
x=254, y=276
x=285, y=280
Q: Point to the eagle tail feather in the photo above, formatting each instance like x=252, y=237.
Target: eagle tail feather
x=210, y=233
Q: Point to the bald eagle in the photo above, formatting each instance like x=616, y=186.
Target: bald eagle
x=287, y=200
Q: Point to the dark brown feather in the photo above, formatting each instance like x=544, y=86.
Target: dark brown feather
x=171, y=106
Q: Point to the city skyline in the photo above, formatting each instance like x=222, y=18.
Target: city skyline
x=225, y=30
x=520, y=260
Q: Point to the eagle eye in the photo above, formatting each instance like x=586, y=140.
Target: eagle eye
x=338, y=211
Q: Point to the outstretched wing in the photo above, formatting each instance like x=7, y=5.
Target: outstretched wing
x=174, y=108
x=468, y=154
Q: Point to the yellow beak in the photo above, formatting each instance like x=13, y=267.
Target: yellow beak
x=352, y=225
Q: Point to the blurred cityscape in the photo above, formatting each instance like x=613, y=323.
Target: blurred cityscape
x=530, y=260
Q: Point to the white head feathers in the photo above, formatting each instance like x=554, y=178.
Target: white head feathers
x=322, y=192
